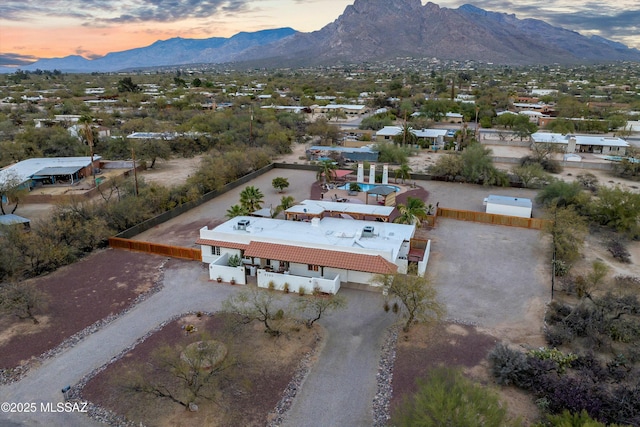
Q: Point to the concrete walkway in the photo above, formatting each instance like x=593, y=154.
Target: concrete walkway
x=338, y=391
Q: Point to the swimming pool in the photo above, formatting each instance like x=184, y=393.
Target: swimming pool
x=366, y=187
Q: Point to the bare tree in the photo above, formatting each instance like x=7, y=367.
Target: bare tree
x=11, y=191
x=22, y=300
x=317, y=306
x=182, y=375
x=256, y=305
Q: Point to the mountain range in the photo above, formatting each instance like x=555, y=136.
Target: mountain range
x=369, y=31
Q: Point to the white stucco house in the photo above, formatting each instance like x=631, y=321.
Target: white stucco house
x=597, y=144
x=320, y=254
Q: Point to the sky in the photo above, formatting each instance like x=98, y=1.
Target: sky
x=32, y=29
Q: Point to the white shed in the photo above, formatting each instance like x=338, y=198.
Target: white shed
x=512, y=206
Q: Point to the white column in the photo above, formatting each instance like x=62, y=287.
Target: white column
x=385, y=174
x=372, y=174
x=360, y=177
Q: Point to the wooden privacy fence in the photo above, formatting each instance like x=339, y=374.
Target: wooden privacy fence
x=488, y=218
x=156, y=248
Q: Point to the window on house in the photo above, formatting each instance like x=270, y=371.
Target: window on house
x=215, y=250
x=312, y=267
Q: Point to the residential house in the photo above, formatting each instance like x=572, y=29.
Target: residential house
x=322, y=253
x=597, y=144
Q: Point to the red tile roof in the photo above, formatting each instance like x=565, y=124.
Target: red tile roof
x=222, y=244
x=322, y=257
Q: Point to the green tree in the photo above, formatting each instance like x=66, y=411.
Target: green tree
x=285, y=203
x=327, y=171
x=236, y=210
x=530, y=175
x=413, y=212
x=251, y=199
x=406, y=137
x=403, y=172
x=524, y=128
x=617, y=208
x=448, y=166
x=153, y=149
x=477, y=166
x=447, y=398
x=561, y=193
x=567, y=230
x=416, y=294
x=280, y=183
x=127, y=85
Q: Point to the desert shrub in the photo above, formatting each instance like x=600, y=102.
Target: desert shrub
x=560, y=359
x=574, y=394
x=556, y=312
x=510, y=366
x=569, y=419
x=557, y=336
x=561, y=193
x=619, y=251
x=627, y=282
x=549, y=165
x=589, y=366
x=448, y=398
x=588, y=181
x=624, y=405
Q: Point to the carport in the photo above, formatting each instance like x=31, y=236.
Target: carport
x=60, y=173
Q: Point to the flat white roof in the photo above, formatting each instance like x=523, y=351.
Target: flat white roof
x=429, y=133
x=326, y=233
x=509, y=201
x=420, y=133
x=319, y=206
x=558, y=138
x=606, y=141
x=389, y=131
x=25, y=169
x=346, y=106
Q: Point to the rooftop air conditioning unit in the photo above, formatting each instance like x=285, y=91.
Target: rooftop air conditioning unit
x=243, y=224
x=367, y=231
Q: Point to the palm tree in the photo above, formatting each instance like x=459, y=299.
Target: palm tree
x=327, y=171
x=87, y=132
x=251, y=199
x=285, y=203
x=403, y=172
x=236, y=210
x=412, y=213
x=406, y=136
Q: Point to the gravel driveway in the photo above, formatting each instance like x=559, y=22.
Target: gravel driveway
x=340, y=387
x=488, y=274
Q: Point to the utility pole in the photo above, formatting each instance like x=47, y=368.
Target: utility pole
x=477, y=133
x=251, y=127
x=135, y=172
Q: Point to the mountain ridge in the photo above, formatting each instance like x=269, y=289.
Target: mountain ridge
x=374, y=30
